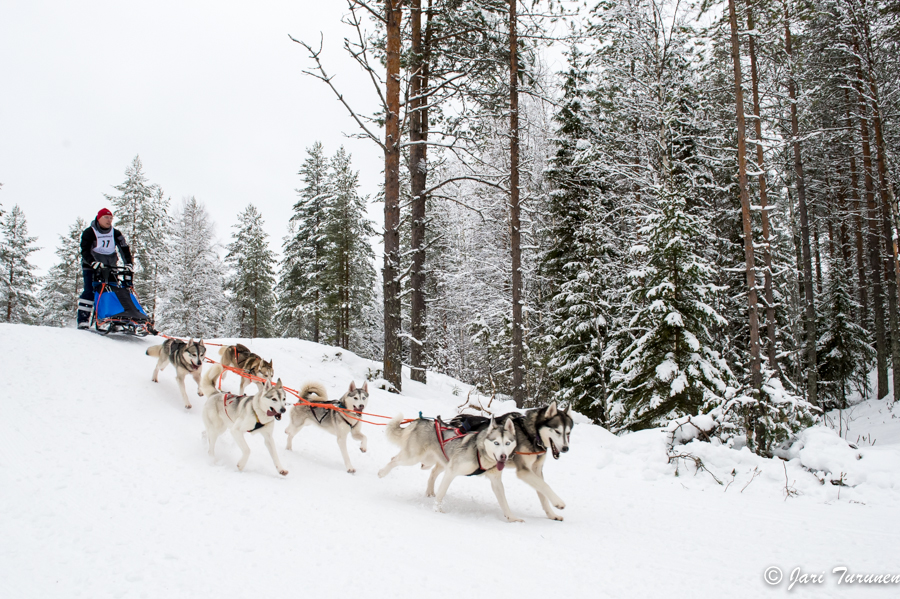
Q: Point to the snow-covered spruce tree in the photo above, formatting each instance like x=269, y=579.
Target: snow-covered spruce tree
x=141, y=213
x=671, y=369
x=300, y=296
x=252, y=277
x=193, y=301
x=63, y=284
x=577, y=264
x=349, y=274
x=844, y=351
x=18, y=282
x=18, y=303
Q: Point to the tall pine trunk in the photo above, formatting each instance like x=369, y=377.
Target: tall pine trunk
x=755, y=374
x=418, y=124
x=763, y=202
x=876, y=269
x=891, y=267
x=392, y=351
x=858, y=226
x=811, y=360
x=514, y=224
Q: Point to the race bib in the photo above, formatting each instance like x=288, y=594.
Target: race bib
x=106, y=243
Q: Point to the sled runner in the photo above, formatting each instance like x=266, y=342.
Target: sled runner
x=116, y=308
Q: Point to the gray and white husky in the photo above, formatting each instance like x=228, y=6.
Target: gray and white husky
x=483, y=452
x=242, y=414
x=539, y=431
x=187, y=357
x=333, y=421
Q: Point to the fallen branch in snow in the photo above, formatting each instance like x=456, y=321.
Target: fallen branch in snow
x=756, y=472
x=698, y=464
x=733, y=474
x=468, y=404
x=789, y=491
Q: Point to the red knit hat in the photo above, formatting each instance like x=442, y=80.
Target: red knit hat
x=104, y=212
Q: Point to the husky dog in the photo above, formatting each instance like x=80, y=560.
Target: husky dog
x=187, y=357
x=242, y=413
x=538, y=431
x=483, y=452
x=238, y=356
x=333, y=421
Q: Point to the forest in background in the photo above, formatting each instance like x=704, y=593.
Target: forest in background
x=697, y=216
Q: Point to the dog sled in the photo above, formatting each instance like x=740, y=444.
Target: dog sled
x=116, y=307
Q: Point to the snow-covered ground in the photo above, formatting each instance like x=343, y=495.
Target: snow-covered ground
x=106, y=490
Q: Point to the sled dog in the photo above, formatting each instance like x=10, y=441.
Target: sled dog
x=483, y=452
x=333, y=421
x=187, y=357
x=238, y=356
x=539, y=431
x=242, y=414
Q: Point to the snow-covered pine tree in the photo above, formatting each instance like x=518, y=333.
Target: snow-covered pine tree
x=141, y=214
x=193, y=301
x=671, y=369
x=300, y=288
x=577, y=264
x=349, y=274
x=63, y=284
x=844, y=348
x=18, y=282
x=252, y=277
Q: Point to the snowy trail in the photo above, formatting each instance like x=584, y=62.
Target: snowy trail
x=107, y=491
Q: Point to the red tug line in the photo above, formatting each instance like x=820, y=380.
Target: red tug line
x=329, y=406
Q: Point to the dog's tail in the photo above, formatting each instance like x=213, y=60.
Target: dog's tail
x=223, y=349
x=313, y=388
x=394, y=431
x=208, y=380
x=154, y=350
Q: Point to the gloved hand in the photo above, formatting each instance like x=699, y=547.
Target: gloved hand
x=129, y=267
x=96, y=265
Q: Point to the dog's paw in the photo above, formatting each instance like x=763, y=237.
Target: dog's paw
x=429, y=493
x=439, y=508
x=382, y=474
x=200, y=392
x=283, y=472
x=512, y=518
x=188, y=406
x=351, y=470
x=560, y=505
x=556, y=517
x=362, y=449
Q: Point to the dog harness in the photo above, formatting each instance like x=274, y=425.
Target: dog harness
x=232, y=396
x=481, y=469
x=337, y=404
x=455, y=433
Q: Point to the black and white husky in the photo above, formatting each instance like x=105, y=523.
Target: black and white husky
x=334, y=421
x=242, y=414
x=539, y=431
x=187, y=357
x=483, y=452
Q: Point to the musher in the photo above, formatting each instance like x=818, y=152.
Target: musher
x=98, y=249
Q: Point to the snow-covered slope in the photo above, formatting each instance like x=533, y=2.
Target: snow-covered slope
x=106, y=490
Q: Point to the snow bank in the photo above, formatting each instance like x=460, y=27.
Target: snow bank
x=107, y=491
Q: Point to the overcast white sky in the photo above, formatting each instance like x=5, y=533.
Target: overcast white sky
x=210, y=94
